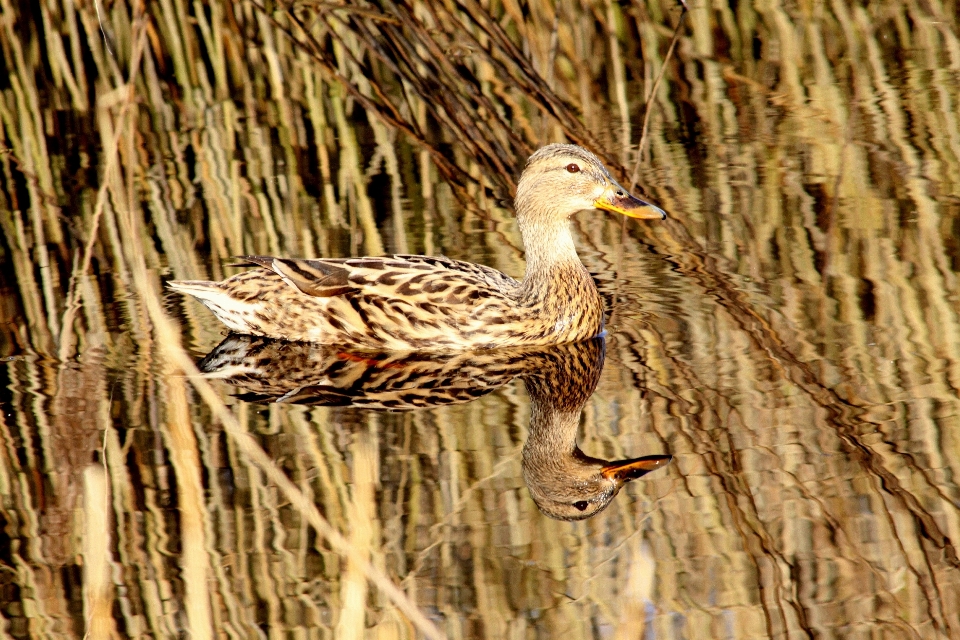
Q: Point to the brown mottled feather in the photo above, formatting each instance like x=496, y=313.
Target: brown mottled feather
x=268, y=370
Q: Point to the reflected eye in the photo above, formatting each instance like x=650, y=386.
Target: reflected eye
x=582, y=504
x=573, y=167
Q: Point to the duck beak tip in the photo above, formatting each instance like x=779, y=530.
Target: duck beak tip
x=630, y=206
x=625, y=470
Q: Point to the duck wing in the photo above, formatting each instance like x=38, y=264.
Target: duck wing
x=313, y=277
x=396, y=302
x=391, y=276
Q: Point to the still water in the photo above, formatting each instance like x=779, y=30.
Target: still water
x=766, y=442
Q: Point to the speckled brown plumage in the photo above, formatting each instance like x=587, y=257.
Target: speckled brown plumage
x=269, y=370
x=419, y=303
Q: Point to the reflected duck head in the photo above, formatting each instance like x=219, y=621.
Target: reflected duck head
x=562, y=179
x=579, y=487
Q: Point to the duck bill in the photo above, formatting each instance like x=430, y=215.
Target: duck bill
x=628, y=205
x=625, y=470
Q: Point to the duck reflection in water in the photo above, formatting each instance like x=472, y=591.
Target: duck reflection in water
x=564, y=482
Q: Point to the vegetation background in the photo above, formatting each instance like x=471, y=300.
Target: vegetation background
x=791, y=335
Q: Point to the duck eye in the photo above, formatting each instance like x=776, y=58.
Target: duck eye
x=620, y=193
x=582, y=504
x=573, y=167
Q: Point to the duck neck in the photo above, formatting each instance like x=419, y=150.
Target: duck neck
x=551, y=445
x=552, y=440
x=548, y=243
x=552, y=260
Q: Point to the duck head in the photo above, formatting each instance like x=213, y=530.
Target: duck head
x=575, y=486
x=562, y=179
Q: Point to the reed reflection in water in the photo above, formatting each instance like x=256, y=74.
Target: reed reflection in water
x=791, y=335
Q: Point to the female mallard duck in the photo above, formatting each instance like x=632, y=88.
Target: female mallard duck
x=410, y=303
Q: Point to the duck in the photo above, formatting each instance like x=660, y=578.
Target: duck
x=564, y=482
x=434, y=303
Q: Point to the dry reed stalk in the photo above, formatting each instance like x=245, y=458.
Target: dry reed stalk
x=34, y=152
x=639, y=586
x=65, y=340
x=33, y=307
x=314, y=93
x=619, y=83
x=354, y=183
x=652, y=96
x=98, y=587
x=185, y=460
x=361, y=510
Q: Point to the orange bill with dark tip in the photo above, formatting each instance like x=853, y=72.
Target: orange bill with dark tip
x=617, y=199
x=624, y=470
